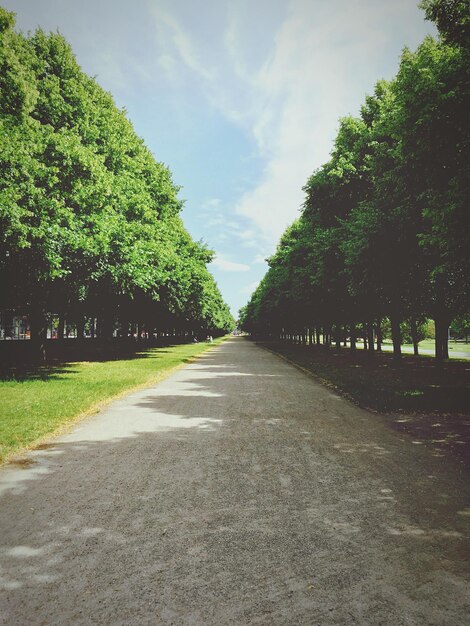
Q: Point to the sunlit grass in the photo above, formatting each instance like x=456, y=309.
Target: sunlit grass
x=429, y=344
x=49, y=398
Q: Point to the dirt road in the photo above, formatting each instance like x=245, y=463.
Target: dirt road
x=238, y=491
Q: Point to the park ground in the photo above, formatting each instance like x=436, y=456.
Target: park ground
x=36, y=402
x=429, y=402
x=238, y=490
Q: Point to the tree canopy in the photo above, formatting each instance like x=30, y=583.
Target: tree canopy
x=384, y=228
x=89, y=219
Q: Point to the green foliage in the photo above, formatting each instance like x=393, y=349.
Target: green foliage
x=89, y=219
x=460, y=327
x=452, y=18
x=384, y=229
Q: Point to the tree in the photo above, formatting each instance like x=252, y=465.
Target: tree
x=90, y=220
x=383, y=231
x=452, y=18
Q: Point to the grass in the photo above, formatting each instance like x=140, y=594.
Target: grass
x=43, y=401
x=428, y=344
x=430, y=403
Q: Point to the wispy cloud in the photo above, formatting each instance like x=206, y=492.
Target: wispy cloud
x=211, y=203
x=260, y=258
x=170, y=30
x=291, y=102
x=224, y=264
x=247, y=290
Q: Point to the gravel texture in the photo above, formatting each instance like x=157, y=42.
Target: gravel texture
x=238, y=491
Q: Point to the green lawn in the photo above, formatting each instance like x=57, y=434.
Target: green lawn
x=428, y=344
x=44, y=400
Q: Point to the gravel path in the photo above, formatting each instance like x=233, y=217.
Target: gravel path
x=238, y=491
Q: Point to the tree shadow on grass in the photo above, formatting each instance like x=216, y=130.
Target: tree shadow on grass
x=56, y=368
x=21, y=374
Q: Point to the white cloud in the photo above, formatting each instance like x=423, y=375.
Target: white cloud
x=247, y=290
x=216, y=220
x=325, y=58
x=211, y=203
x=260, y=258
x=169, y=28
x=224, y=264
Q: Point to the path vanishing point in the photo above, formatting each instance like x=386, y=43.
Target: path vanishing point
x=237, y=491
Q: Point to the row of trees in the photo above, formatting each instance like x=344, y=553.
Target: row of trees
x=384, y=230
x=89, y=221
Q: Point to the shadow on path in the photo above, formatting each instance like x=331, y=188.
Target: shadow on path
x=238, y=490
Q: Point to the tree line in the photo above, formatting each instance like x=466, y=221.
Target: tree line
x=90, y=221
x=384, y=231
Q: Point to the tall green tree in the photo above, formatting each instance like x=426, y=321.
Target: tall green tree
x=89, y=219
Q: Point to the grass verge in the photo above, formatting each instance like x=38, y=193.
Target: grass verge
x=428, y=345
x=429, y=403
x=44, y=401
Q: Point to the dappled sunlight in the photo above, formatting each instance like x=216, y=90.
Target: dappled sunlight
x=190, y=389
x=37, y=566
x=127, y=425
x=16, y=480
x=200, y=365
x=407, y=530
x=449, y=434
x=159, y=409
x=26, y=569
x=361, y=448
x=23, y=551
x=341, y=527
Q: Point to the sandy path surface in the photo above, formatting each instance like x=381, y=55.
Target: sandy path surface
x=238, y=491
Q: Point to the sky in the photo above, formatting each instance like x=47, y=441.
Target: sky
x=239, y=98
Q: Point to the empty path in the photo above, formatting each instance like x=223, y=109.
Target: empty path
x=238, y=491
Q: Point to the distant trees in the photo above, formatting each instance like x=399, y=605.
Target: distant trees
x=89, y=220
x=384, y=231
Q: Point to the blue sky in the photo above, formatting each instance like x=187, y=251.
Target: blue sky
x=241, y=99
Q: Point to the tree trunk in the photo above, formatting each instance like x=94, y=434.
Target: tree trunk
x=445, y=340
x=379, y=336
x=338, y=336
x=38, y=332
x=80, y=327
x=352, y=331
x=124, y=327
x=7, y=321
x=61, y=327
x=364, y=335
x=370, y=336
x=442, y=338
x=396, y=337
x=414, y=335
x=106, y=328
